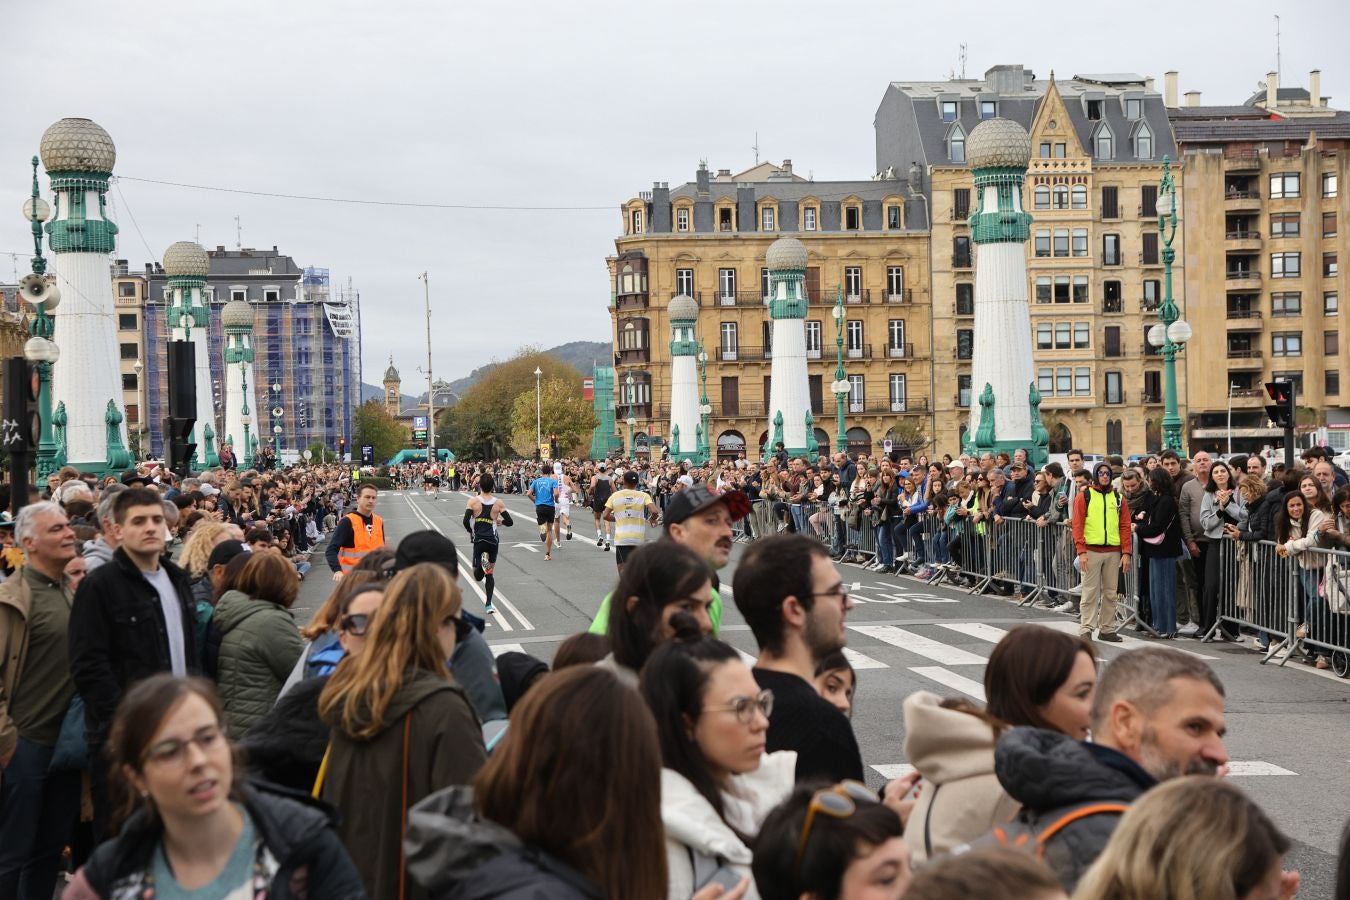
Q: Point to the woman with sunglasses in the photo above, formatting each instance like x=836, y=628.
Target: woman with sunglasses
x=717, y=784
x=322, y=632
x=192, y=827
x=402, y=727
x=834, y=842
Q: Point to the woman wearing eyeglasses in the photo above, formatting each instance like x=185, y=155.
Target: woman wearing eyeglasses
x=836, y=841
x=193, y=828
x=402, y=727
x=717, y=784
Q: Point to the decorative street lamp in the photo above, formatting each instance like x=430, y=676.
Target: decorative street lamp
x=42, y=293
x=839, y=387
x=1172, y=332
x=277, y=412
x=632, y=419
x=705, y=408
x=538, y=400
x=244, y=418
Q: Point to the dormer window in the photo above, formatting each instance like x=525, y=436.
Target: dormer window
x=1143, y=142
x=766, y=222
x=1134, y=108
x=636, y=217
x=1103, y=143
x=1094, y=110
x=956, y=145
x=852, y=218
x=988, y=109
x=809, y=219
x=681, y=219
x=949, y=110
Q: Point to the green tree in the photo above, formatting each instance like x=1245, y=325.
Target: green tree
x=319, y=451
x=480, y=425
x=372, y=424
x=563, y=413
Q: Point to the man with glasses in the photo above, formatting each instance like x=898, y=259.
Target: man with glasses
x=795, y=603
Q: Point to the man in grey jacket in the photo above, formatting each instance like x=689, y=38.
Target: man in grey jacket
x=100, y=550
x=1189, y=499
x=1158, y=714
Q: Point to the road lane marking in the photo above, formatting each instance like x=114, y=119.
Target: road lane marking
x=893, y=770
x=1253, y=768
x=950, y=679
x=937, y=651
x=859, y=661
x=499, y=649
x=1126, y=642
x=977, y=630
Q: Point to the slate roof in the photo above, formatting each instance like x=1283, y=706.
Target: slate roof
x=1291, y=93
x=1217, y=112
x=909, y=124
x=1220, y=130
x=797, y=190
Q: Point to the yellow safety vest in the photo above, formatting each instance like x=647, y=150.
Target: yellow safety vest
x=1102, y=528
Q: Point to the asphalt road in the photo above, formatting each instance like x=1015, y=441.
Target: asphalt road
x=1289, y=728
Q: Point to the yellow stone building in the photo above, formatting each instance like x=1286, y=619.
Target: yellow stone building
x=1094, y=260
x=707, y=239
x=1263, y=244
x=129, y=295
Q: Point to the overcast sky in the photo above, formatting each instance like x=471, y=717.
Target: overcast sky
x=578, y=104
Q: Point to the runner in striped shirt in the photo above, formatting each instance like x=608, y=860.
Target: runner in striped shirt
x=631, y=511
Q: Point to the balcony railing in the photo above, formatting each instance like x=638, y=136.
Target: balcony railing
x=900, y=351
x=1241, y=195
x=1243, y=235
x=961, y=261
x=1113, y=305
x=1150, y=399
x=861, y=352
x=740, y=353
x=740, y=298
x=904, y=296
x=888, y=407
x=1234, y=314
x=624, y=302
x=1242, y=275
x=696, y=296
x=1243, y=354
x=962, y=310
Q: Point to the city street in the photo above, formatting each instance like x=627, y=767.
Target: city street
x=1288, y=733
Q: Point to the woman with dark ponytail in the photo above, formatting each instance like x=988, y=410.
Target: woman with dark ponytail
x=717, y=783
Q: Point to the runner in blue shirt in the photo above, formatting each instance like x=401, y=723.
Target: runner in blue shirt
x=544, y=492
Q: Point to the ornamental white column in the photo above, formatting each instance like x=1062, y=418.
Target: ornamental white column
x=241, y=388
x=789, y=387
x=1005, y=402
x=186, y=264
x=79, y=157
x=683, y=312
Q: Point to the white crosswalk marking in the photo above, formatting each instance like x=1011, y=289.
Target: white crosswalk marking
x=949, y=678
x=937, y=651
x=893, y=771
x=976, y=630
x=1126, y=642
x=747, y=658
x=859, y=661
x=499, y=649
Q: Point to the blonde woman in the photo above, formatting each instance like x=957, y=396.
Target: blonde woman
x=1192, y=838
x=401, y=727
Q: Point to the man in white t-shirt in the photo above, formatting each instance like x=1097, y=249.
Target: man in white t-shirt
x=631, y=510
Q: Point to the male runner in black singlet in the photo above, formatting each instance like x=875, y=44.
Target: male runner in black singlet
x=481, y=518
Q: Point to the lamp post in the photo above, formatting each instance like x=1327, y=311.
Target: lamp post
x=244, y=418
x=1172, y=332
x=277, y=412
x=41, y=292
x=632, y=419
x=538, y=407
x=704, y=407
x=839, y=387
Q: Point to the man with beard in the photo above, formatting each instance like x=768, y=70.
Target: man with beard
x=792, y=597
x=1158, y=714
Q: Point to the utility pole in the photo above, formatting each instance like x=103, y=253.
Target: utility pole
x=431, y=384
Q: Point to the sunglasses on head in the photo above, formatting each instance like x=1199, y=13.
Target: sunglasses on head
x=838, y=802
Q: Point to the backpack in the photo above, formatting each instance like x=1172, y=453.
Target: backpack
x=1029, y=837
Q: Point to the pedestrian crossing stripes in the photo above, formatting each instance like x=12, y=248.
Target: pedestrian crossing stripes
x=1254, y=768
x=937, y=651
x=499, y=649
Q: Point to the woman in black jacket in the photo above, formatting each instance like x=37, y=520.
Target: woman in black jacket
x=1160, y=544
x=192, y=824
x=1262, y=509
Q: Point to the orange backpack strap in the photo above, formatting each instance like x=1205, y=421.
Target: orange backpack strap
x=1082, y=812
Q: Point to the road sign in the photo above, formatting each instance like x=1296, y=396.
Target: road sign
x=544, y=451
x=368, y=454
x=419, y=429
x=887, y=445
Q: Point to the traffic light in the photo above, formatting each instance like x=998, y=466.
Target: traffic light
x=342, y=448
x=1281, y=409
x=23, y=425
x=182, y=450
x=553, y=446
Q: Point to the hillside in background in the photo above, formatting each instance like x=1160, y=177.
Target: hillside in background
x=581, y=354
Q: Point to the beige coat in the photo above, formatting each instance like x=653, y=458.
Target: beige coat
x=960, y=797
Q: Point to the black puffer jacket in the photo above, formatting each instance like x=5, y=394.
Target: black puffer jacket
x=287, y=745
x=457, y=856
x=299, y=853
x=1049, y=774
x=1261, y=517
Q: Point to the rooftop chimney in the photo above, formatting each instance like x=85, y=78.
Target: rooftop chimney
x=787, y=166
x=1170, y=89
x=149, y=268
x=1272, y=90
x=702, y=178
x=1315, y=87
x=1192, y=98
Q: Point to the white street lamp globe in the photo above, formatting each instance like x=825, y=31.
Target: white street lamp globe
x=837, y=312
x=276, y=429
x=1157, y=335
x=246, y=419
x=632, y=421
x=39, y=349
x=538, y=371
x=277, y=388
x=1179, y=332
x=44, y=209
x=277, y=411
x=705, y=410
x=308, y=455
x=703, y=357
x=1165, y=201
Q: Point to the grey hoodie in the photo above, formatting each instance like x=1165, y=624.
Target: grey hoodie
x=96, y=553
x=455, y=855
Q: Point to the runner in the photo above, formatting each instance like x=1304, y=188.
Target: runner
x=431, y=478
x=484, y=512
x=631, y=511
x=544, y=492
x=357, y=533
x=601, y=489
x=565, y=493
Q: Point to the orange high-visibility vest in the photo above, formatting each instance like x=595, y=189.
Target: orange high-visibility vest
x=363, y=541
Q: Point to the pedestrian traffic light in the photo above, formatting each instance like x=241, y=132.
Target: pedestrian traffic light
x=182, y=450
x=23, y=425
x=553, y=446
x=342, y=448
x=1281, y=409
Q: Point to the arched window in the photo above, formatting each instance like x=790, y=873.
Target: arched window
x=1080, y=196
x=1061, y=197
x=1061, y=439
x=956, y=145
x=1042, y=196
x=1104, y=143
x=1113, y=436
x=1143, y=142
x=1152, y=436
x=730, y=445
x=859, y=441
x=822, y=442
